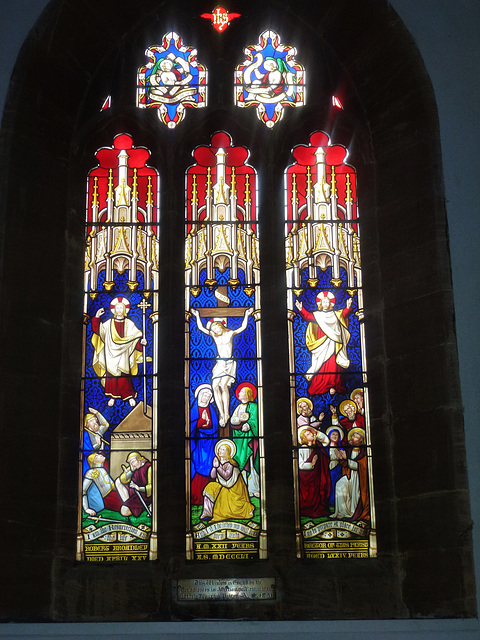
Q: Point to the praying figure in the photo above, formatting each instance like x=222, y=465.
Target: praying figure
x=352, y=500
x=226, y=496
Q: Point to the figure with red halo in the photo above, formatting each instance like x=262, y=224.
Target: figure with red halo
x=327, y=337
x=118, y=347
x=244, y=423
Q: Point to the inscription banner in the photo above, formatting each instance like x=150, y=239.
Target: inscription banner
x=336, y=549
x=226, y=589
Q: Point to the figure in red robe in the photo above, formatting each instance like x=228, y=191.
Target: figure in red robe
x=118, y=347
x=314, y=475
x=135, y=485
x=351, y=419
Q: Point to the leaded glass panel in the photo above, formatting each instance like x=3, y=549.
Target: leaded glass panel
x=117, y=515
x=223, y=392
x=172, y=80
x=270, y=79
x=329, y=390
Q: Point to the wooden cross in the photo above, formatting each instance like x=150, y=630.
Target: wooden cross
x=224, y=311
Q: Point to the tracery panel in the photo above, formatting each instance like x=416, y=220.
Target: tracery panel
x=117, y=511
x=172, y=80
x=270, y=78
x=224, y=418
x=335, y=515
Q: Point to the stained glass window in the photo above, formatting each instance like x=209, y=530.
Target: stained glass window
x=172, y=80
x=329, y=391
x=117, y=519
x=224, y=431
x=224, y=421
x=270, y=79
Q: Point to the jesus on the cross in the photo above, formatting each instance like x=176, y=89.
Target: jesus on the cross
x=225, y=368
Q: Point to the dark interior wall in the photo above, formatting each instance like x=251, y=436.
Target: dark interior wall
x=50, y=134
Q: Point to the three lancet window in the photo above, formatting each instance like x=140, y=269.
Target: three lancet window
x=226, y=492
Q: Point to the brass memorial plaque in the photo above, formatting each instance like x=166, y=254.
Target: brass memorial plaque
x=226, y=589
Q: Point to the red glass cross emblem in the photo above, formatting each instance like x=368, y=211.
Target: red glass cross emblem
x=220, y=18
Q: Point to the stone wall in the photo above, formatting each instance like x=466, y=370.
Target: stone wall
x=52, y=127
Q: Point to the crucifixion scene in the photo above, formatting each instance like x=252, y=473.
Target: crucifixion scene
x=225, y=368
x=223, y=354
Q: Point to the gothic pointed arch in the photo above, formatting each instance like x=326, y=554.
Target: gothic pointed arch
x=361, y=55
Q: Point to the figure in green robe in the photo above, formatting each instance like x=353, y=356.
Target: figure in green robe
x=244, y=423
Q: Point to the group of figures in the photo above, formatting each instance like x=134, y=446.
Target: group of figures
x=270, y=78
x=223, y=364
x=332, y=461
x=333, y=479
x=118, y=348
x=332, y=457
x=118, y=394
x=224, y=470
x=131, y=492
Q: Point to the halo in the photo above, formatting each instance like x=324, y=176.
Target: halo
x=358, y=390
x=210, y=321
x=326, y=294
x=231, y=444
x=339, y=429
x=302, y=429
x=201, y=387
x=118, y=300
x=345, y=403
x=307, y=400
x=246, y=384
x=360, y=431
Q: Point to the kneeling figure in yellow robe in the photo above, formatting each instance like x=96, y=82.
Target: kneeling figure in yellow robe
x=227, y=496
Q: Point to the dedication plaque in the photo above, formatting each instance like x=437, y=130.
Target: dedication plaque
x=226, y=589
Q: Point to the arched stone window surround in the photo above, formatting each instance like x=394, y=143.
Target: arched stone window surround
x=48, y=145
